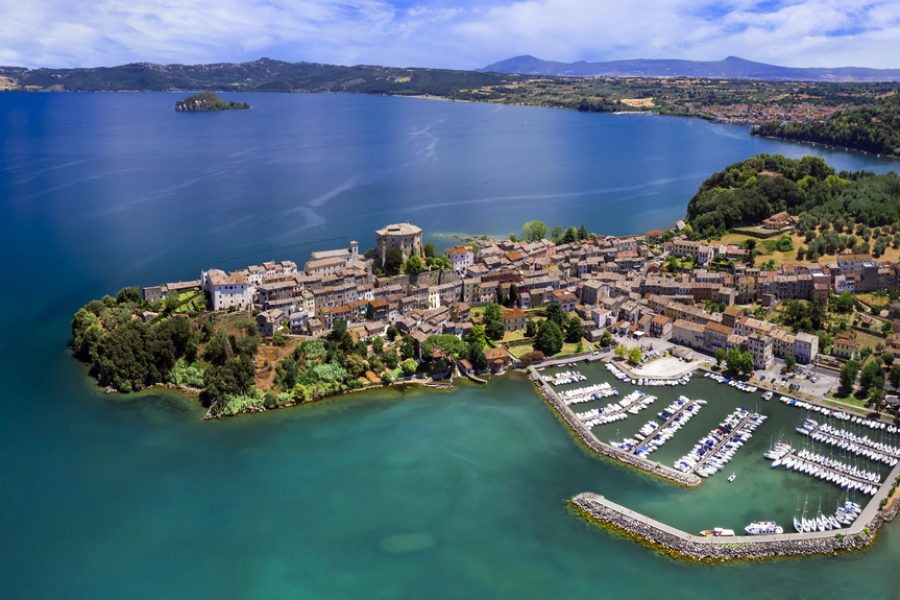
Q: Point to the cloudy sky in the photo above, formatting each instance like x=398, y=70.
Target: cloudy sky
x=442, y=33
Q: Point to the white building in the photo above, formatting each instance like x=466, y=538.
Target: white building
x=461, y=257
x=227, y=291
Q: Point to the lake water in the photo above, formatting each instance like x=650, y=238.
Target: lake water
x=393, y=494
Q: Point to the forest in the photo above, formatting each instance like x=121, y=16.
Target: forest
x=749, y=191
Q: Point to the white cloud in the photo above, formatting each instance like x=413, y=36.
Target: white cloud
x=446, y=33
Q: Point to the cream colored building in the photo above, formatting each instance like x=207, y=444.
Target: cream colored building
x=405, y=237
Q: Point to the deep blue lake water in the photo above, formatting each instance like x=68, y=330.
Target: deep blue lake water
x=383, y=495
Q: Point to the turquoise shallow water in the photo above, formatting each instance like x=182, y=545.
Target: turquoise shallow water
x=395, y=494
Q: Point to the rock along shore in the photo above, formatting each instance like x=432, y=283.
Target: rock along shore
x=680, y=544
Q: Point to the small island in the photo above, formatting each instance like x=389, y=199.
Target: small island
x=207, y=102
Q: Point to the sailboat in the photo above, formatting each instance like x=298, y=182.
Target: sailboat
x=804, y=523
x=798, y=526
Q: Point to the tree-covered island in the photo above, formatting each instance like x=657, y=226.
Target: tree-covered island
x=208, y=102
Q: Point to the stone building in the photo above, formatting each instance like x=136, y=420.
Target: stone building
x=405, y=237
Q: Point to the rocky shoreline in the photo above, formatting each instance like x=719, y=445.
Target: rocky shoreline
x=679, y=544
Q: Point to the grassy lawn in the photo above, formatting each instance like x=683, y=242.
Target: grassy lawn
x=513, y=336
x=875, y=301
x=568, y=349
x=191, y=302
x=867, y=340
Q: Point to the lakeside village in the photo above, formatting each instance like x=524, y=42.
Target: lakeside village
x=275, y=335
x=489, y=306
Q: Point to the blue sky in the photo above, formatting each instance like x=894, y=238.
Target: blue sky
x=440, y=33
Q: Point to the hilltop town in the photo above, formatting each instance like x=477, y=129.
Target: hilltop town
x=783, y=272
x=608, y=290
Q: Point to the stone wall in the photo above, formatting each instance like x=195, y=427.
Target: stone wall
x=660, y=536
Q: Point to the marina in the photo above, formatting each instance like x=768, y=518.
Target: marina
x=679, y=426
x=851, y=442
x=716, y=449
x=840, y=474
x=841, y=415
x=588, y=393
x=673, y=418
x=631, y=404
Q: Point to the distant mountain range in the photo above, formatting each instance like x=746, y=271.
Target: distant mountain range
x=263, y=75
x=730, y=68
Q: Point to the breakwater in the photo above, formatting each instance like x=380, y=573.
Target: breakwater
x=658, y=535
x=590, y=440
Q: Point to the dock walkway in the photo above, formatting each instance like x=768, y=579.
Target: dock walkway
x=643, y=441
x=737, y=428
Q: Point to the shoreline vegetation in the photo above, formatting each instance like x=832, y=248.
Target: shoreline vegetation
x=857, y=116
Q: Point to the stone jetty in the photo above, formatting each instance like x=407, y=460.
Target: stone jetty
x=666, y=538
x=604, y=449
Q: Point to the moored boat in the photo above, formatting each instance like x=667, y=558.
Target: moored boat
x=718, y=532
x=763, y=528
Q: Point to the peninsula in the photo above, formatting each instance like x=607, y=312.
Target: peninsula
x=722, y=292
x=208, y=102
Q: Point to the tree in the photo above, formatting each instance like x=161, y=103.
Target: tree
x=476, y=335
x=574, y=330
x=441, y=263
x=129, y=295
x=790, y=361
x=844, y=303
x=530, y=358
x=606, y=339
x=876, y=397
x=494, y=325
x=409, y=366
x=414, y=265
x=871, y=377
x=720, y=356
x=620, y=351
x=555, y=313
x=534, y=231
x=571, y=235
x=447, y=344
x=634, y=355
x=739, y=362
x=430, y=250
x=477, y=357
x=549, y=338
x=513, y=297
x=894, y=376
x=583, y=233
x=848, y=378
x=750, y=245
x=393, y=260
x=530, y=328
